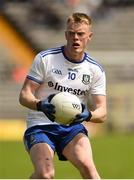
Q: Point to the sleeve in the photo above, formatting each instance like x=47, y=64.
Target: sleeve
x=99, y=84
x=37, y=70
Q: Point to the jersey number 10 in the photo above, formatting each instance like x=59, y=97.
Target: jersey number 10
x=71, y=75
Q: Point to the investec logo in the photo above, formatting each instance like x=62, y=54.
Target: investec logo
x=61, y=88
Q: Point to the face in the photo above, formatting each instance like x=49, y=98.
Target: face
x=77, y=36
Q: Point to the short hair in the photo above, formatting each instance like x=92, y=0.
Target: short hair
x=80, y=18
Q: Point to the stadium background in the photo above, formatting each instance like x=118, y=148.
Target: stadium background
x=27, y=27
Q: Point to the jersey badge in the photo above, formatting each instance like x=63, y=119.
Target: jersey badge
x=86, y=79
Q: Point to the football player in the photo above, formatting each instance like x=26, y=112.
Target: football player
x=64, y=69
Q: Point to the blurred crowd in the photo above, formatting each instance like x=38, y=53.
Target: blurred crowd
x=52, y=12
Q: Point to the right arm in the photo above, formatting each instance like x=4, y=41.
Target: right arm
x=26, y=97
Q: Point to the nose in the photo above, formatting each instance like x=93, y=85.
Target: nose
x=75, y=36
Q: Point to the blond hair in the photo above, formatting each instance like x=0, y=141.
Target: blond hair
x=80, y=18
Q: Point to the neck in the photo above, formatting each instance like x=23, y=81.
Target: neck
x=74, y=56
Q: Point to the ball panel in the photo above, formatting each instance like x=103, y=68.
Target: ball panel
x=67, y=106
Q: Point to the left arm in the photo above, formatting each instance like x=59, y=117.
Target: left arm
x=100, y=112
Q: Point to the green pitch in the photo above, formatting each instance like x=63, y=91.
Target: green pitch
x=113, y=155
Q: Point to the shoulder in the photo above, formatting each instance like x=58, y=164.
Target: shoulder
x=47, y=56
x=51, y=51
x=94, y=63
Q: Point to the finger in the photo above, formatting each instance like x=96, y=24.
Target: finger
x=50, y=97
x=78, y=120
x=78, y=116
x=83, y=107
x=51, y=106
x=51, y=117
x=51, y=111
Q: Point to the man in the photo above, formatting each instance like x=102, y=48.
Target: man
x=67, y=68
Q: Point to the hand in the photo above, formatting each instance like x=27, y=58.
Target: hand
x=47, y=108
x=84, y=116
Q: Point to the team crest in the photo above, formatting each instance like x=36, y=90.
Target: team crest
x=86, y=79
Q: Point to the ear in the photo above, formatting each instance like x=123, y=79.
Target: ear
x=66, y=35
x=90, y=35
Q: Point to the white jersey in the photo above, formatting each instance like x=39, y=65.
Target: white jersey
x=56, y=73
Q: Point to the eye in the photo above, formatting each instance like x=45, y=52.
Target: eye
x=80, y=34
x=71, y=33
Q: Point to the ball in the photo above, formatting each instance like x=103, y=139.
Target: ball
x=67, y=106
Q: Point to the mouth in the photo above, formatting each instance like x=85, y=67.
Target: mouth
x=76, y=45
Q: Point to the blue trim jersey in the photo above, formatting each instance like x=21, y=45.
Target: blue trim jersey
x=56, y=73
